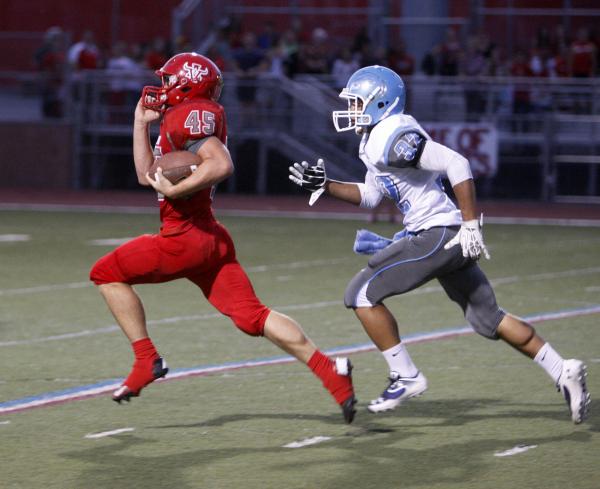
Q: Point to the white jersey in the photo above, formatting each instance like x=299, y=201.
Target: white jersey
x=418, y=193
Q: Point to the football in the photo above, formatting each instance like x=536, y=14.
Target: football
x=176, y=165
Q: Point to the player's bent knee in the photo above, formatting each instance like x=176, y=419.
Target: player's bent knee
x=356, y=292
x=252, y=322
x=105, y=271
x=485, y=323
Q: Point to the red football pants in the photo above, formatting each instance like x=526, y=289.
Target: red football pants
x=205, y=255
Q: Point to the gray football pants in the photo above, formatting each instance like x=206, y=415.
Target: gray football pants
x=418, y=258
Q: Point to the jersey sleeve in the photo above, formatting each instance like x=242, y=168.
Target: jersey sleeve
x=439, y=158
x=405, y=150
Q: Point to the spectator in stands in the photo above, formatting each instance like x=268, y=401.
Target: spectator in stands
x=369, y=55
x=360, y=39
x=288, y=44
x=498, y=64
x=583, y=55
x=50, y=62
x=473, y=65
x=400, y=60
x=430, y=63
x=85, y=54
x=215, y=55
x=450, y=54
x=302, y=35
x=558, y=65
x=343, y=67
x=314, y=56
x=156, y=55
x=582, y=64
x=269, y=37
x=521, y=91
x=126, y=81
x=248, y=62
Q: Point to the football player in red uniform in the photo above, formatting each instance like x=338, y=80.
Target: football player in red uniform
x=191, y=243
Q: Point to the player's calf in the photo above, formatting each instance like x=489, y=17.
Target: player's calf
x=337, y=379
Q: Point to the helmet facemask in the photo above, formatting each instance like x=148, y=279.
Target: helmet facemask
x=155, y=98
x=355, y=115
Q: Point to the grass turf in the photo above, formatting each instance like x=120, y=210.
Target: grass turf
x=228, y=430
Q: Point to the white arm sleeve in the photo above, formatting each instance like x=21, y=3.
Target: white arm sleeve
x=440, y=158
x=370, y=196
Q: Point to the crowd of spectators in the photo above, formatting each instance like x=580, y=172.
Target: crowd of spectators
x=296, y=50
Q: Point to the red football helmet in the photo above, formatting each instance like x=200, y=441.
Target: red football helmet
x=184, y=76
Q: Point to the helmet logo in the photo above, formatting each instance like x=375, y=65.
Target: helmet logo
x=194, y=71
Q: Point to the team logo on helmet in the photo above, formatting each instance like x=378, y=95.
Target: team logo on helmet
x=195, y=72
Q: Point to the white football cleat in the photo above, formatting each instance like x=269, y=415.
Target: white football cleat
x=571, y=384
x=399, y=390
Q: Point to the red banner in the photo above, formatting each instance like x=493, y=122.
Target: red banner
x=477, y=142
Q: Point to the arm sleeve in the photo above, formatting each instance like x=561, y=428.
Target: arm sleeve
x=193, y=145
x=370, y=196
x=405, y=150
x=439, y=158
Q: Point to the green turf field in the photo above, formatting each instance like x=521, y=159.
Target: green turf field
x=228, y=430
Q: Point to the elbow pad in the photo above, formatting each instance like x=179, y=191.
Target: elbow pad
x=439, y=158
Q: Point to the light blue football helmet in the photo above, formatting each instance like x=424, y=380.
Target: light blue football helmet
x=381, y=92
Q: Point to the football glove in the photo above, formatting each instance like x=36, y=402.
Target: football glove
x=470, y=239
x=311, y=178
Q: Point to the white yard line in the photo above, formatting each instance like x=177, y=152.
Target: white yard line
x=108, y=433
x=13, y=238
x=255, y=269
x=44, y=288
x=88, y=391
x=307, y=441
x=354, y=216
x=293, y=307
x=514, y=451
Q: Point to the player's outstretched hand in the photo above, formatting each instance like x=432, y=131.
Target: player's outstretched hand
x=470, y=239
x=310, y=177
x=144, y=115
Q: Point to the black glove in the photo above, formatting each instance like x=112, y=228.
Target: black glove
x=312, y=178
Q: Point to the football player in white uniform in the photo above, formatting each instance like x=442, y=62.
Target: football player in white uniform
x=440, y=240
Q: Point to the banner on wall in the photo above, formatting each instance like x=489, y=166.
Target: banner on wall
x=478, y=142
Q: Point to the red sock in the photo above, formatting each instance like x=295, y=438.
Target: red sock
x=323, y=367
x=141, y=374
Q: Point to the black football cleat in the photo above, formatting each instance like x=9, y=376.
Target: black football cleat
x=124, y=393
x=343, y=366
x=348, y=409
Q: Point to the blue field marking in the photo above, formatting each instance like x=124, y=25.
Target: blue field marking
x=92, y=390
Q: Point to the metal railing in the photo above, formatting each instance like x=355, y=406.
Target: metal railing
x=548, y=126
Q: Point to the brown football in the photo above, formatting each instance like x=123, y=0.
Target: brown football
x=176, y=165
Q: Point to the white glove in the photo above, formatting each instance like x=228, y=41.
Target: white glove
x=470, y=239
x=312, y=178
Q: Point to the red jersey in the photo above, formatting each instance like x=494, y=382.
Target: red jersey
x=182, y=126
x=583, y=53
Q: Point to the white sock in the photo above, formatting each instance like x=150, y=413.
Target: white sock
x=399, y=361
x=550, y=361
